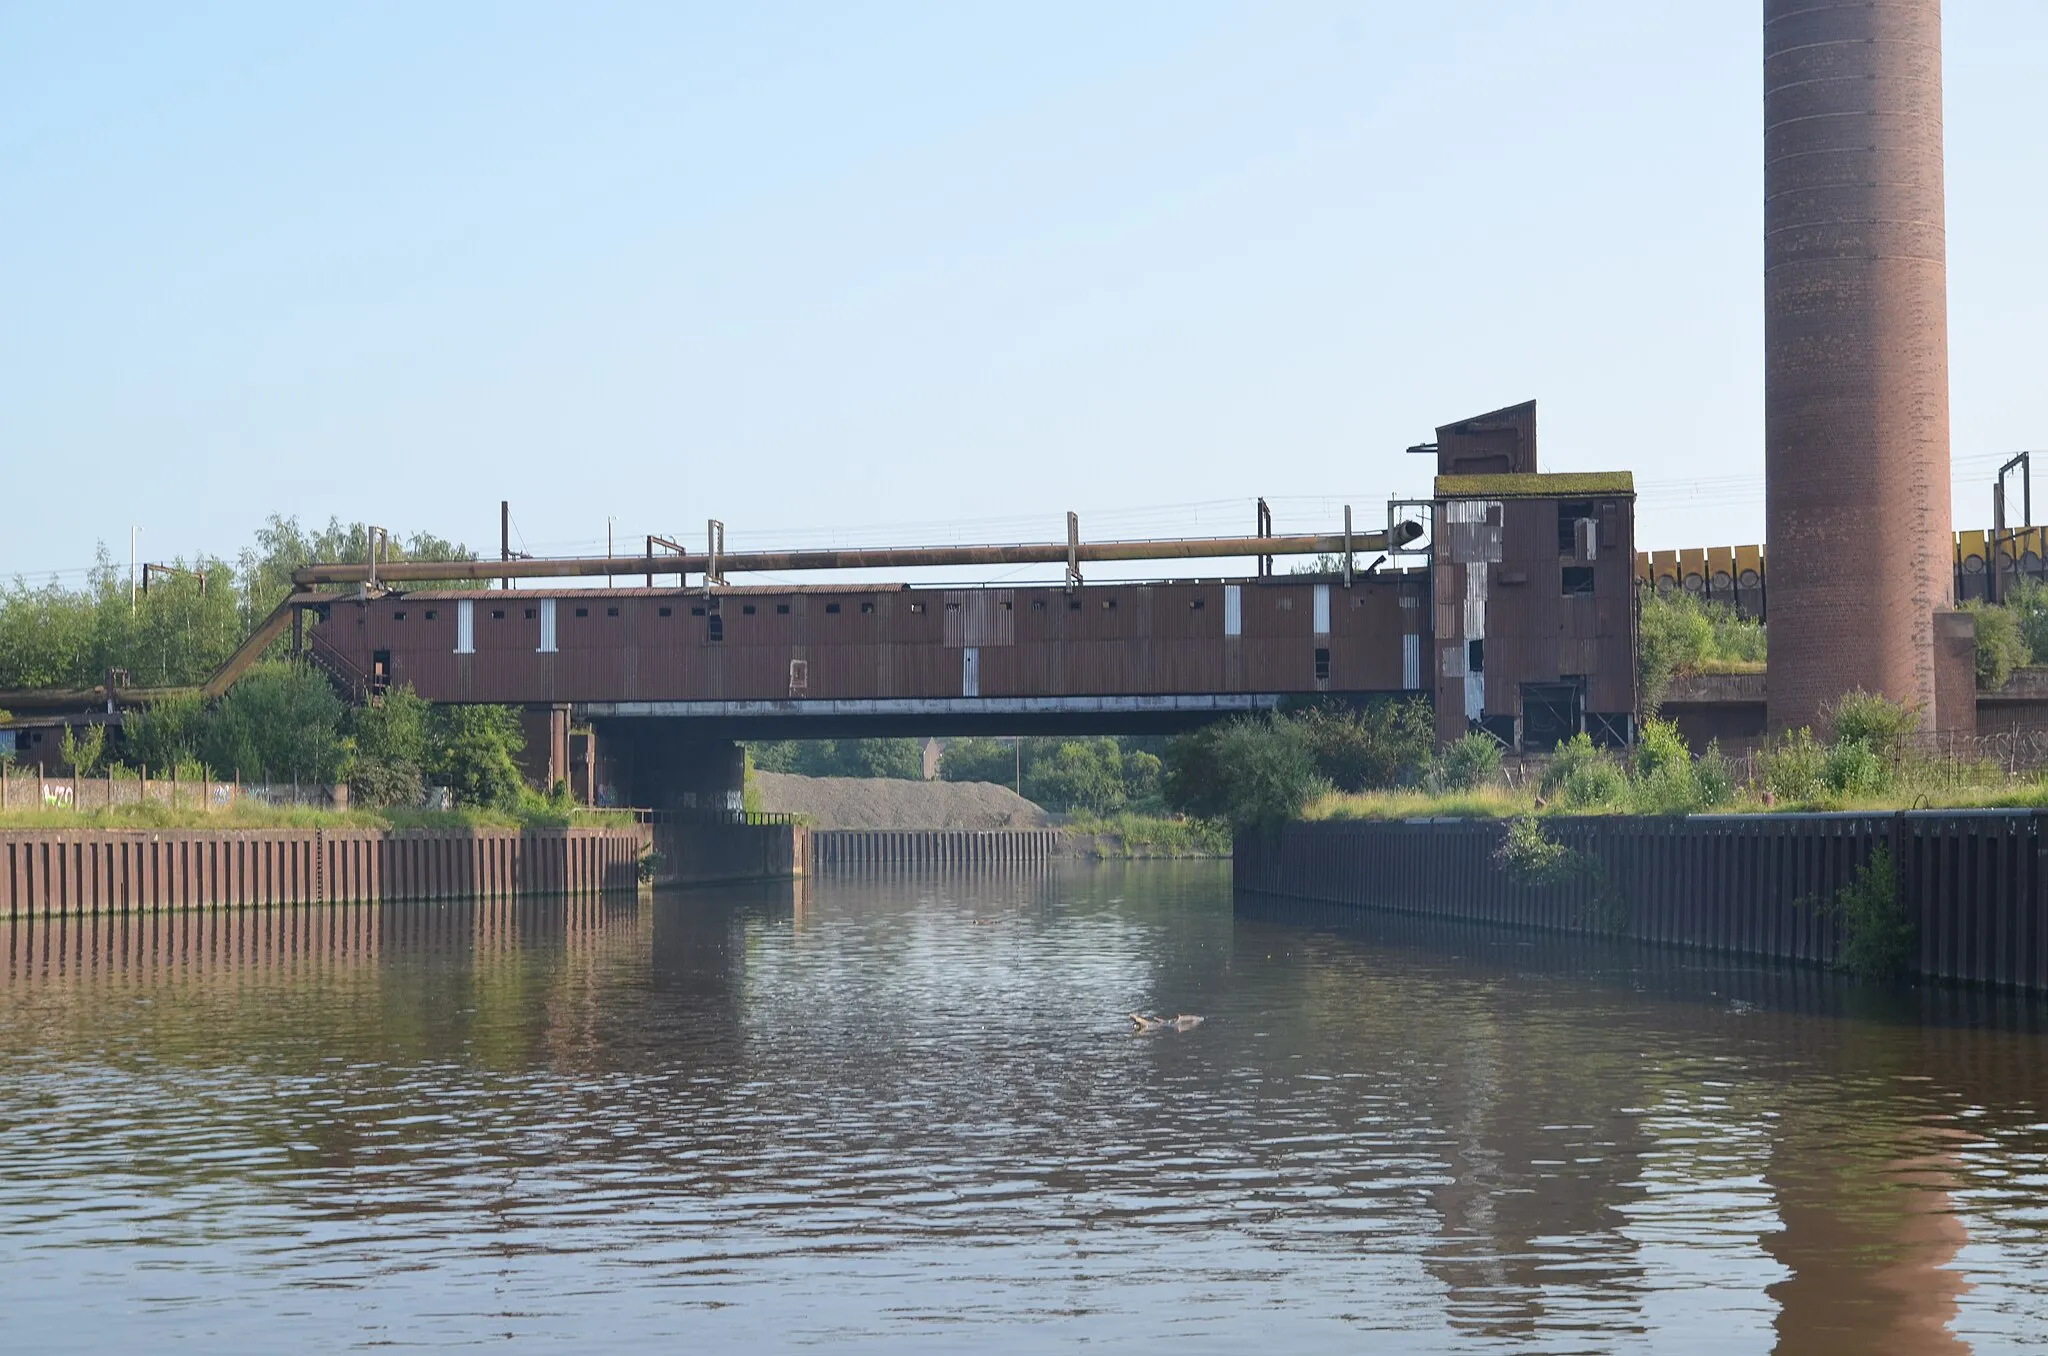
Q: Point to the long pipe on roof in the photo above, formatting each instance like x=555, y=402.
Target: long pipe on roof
x=860, y=558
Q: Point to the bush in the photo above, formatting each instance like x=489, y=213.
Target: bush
x=1583, y=776
x=1079, y=775
x=1868, y=718
x=1877, y=933
x=1253, y=772
x=388, y=750
x=1469, y=764
x=281, y=722
x=1380, y=745
x=165, y=733
x=1795, y=768
x=1853, y=768
x=473, y=751
x=979, y=760
x=1660, y=746
x=1714, y=777
x=2001, y=643
x=1678, y=635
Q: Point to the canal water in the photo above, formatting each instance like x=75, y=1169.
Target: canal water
x=910, y=1113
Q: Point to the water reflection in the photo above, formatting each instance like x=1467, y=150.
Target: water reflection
x=908, y=1109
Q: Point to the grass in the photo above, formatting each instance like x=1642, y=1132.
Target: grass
x=1500, y=802
x=1136, y=835
x=252, y=816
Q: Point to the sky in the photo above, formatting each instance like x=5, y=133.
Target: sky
x=889, y=273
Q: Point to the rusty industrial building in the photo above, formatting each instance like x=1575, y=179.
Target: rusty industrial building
x=1506, y=599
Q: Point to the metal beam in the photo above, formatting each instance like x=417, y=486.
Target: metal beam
x=859, y=558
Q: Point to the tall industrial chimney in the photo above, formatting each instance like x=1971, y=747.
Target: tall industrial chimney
x=1856, y=456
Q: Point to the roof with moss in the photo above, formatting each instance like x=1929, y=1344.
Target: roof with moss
x=1536, y=485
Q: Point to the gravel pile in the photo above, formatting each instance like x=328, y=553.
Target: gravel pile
x=886, y=803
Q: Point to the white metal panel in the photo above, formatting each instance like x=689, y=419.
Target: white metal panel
x=970, y=671
x=1322, y=609
x=1411, y=661
x=547, y=626
x=1233, y=610
x=465, y=627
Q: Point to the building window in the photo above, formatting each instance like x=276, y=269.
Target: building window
x=747, y=610
x=831, y=607
x=782, y=609
x=867, y=607
x=917, y=609
x=1578, y=581
x=1109, y=604
x=1038, y=604
x=1073, y=605
x=1322, y=665
x=582, y=611
x=611, y=612
x=667, y=611
x=696, y=611
x=497, y=614
x=1194, y=604
x=531, y=614
x=431, y=614
x=714, y=630
x=1568, y=516
x=398, y=616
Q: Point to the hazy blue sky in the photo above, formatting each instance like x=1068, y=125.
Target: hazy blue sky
x=884, y=272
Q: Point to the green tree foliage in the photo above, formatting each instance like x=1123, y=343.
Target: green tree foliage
x=899, y=758
x=474, y=752
x=1679, y=636
x=2001, y=641
x=1254, y=772
x=1378, y=745
x=82, y=748
x=1079, y=774
x=183, y=628
x=1795, y=767
x=281, y=722
x=980, y=760
x=169, y=733
x=389, y=746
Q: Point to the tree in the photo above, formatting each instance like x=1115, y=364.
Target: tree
x=167, y=733
x=1255, y=772
x=1078, y=775
x=474, y=752
x=388, y=749
x=1382, y=744
x=281, y=722
x=980, y=760
x=898, y=758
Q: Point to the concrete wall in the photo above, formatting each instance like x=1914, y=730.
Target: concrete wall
x=693, y=853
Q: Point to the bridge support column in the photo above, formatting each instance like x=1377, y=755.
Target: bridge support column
x=545, y=760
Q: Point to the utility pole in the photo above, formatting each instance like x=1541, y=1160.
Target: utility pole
x=134, y=554
x=608, y=521
x=505, y=537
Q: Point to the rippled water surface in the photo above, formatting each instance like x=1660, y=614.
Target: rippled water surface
x=910, y=1112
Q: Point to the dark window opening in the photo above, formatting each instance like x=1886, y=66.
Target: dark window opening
x=1038, y=604
x=1008, y=606
x=667, y=611
x=1568, y=516
x=1195, y=605
x=831, y=607
x=1578, y=581
x=714, y=630
x=497, y=614
x=952, y=607
x=696, y=611
x=782, y=609
x=531, y=614
x=1322, y=665
x=1074, y=605
x=747, y=610
x=398, y=616
x=917, y=609
x=1502, y=728
x=1475, y=656
x=1109, y=604
x=431, y=614
x=582, y=611
x=611, y=612
x=1551, y=714
x=867, y=607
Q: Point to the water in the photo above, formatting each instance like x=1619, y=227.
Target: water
x=912, y=1115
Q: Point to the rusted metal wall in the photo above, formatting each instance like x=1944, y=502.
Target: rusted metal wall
x=100, y=871
x=936, y=848
x=692, y=853
x=811, y=643
x=1973, y=881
